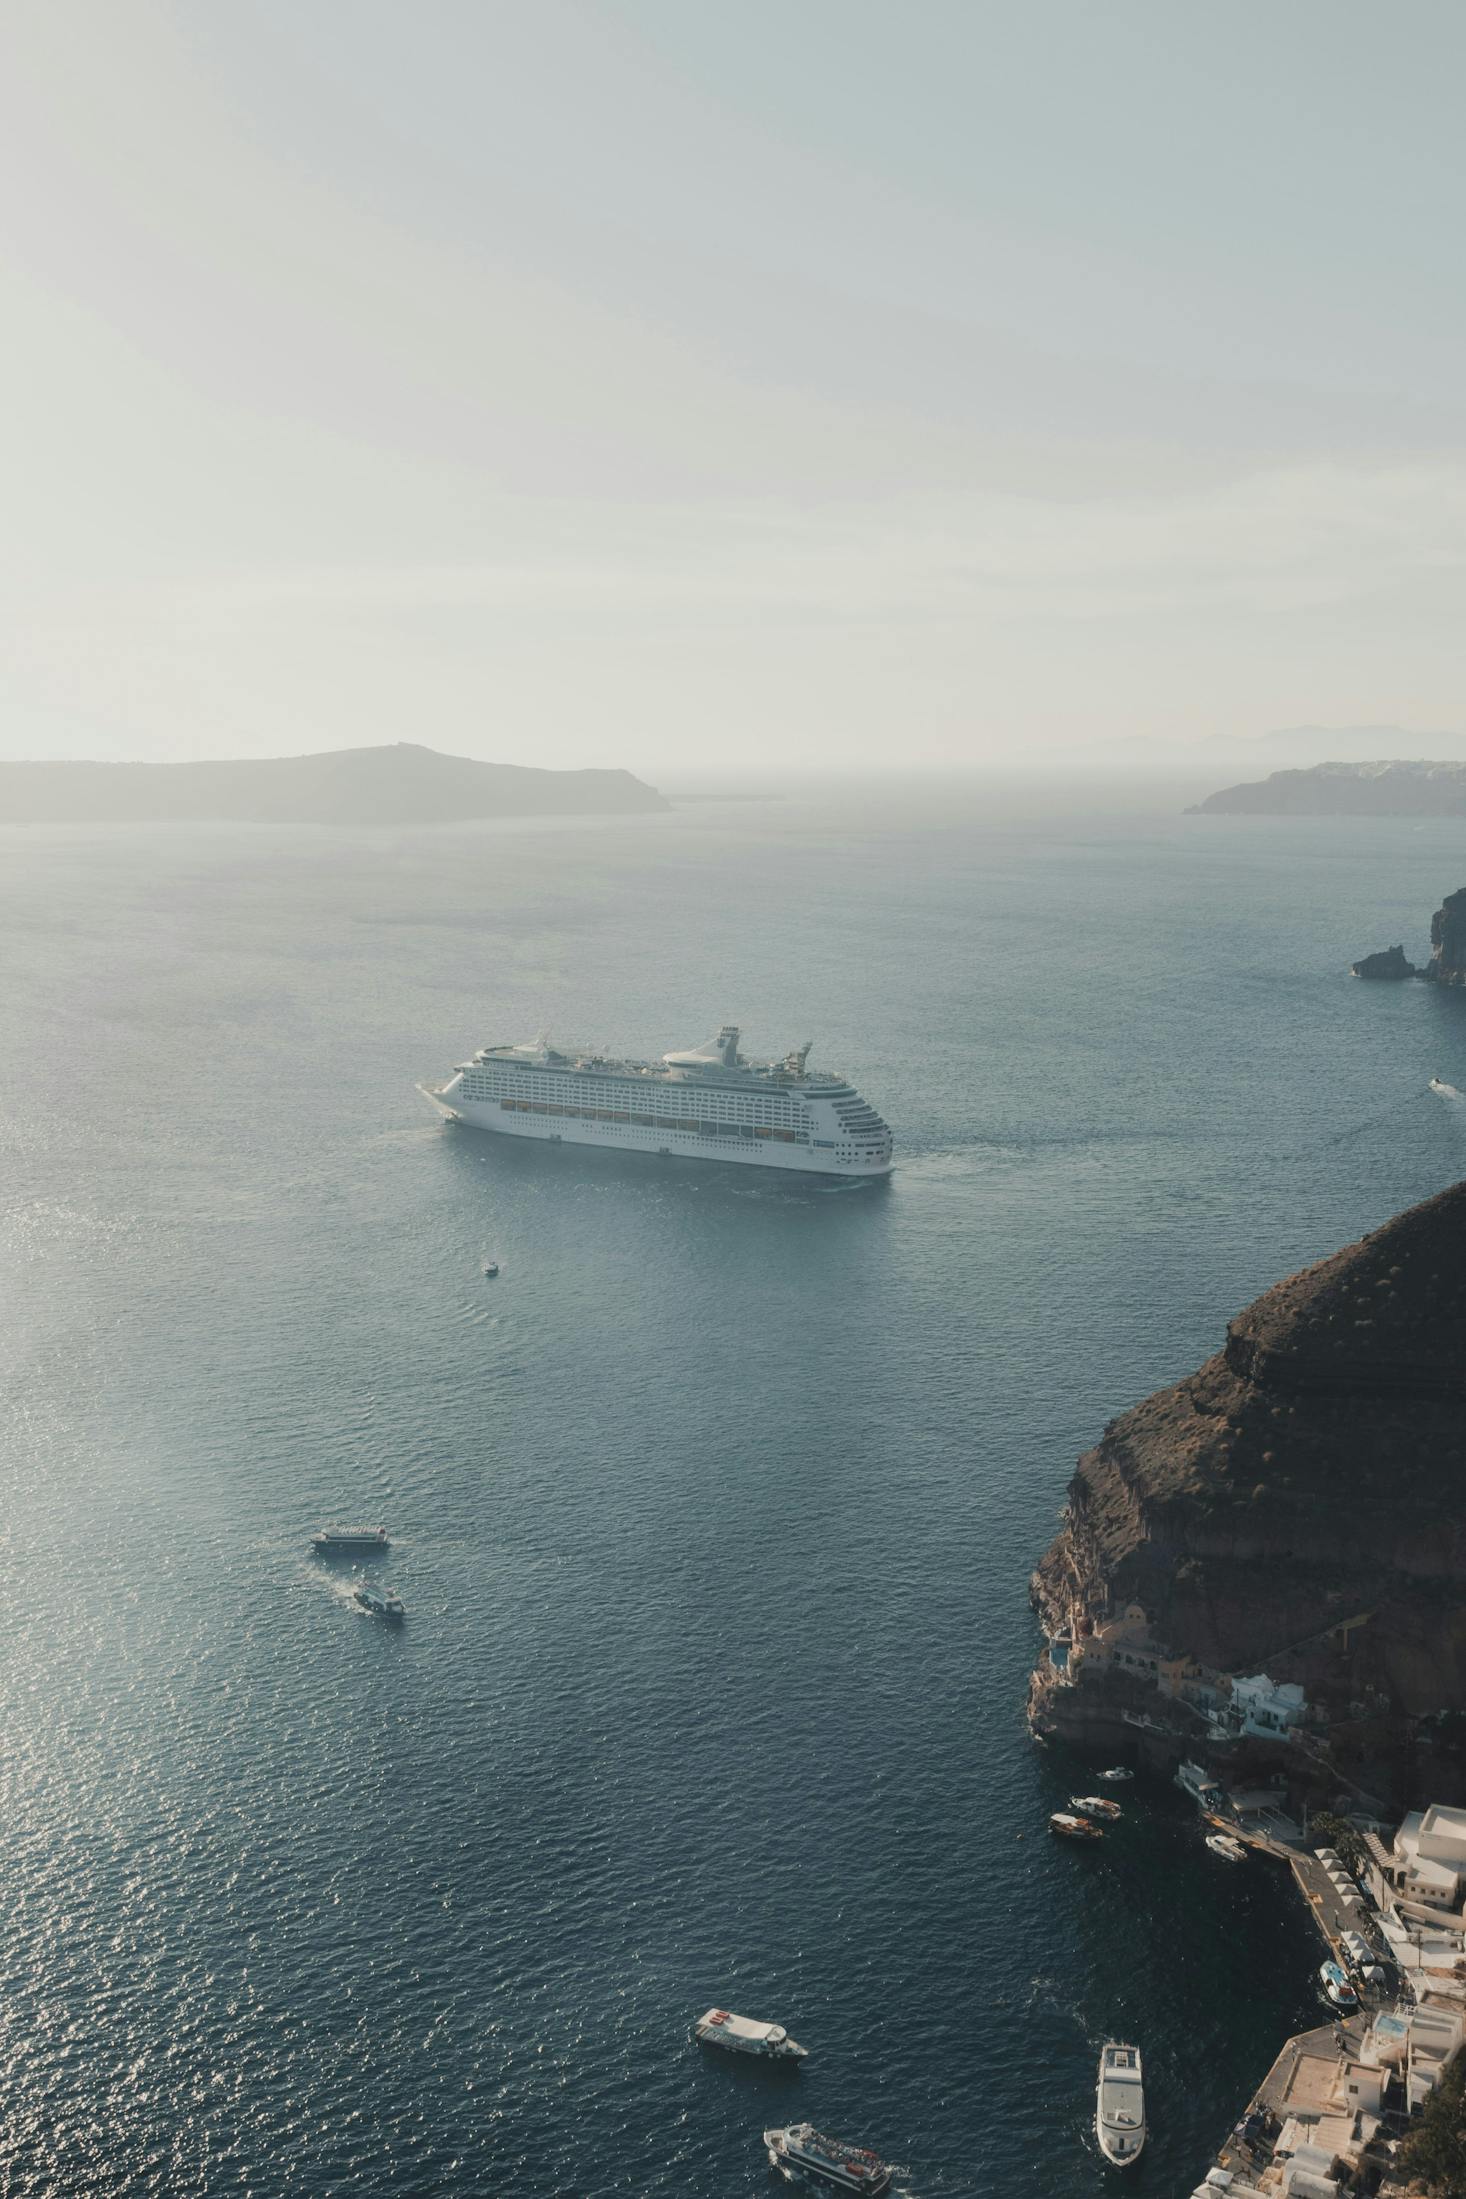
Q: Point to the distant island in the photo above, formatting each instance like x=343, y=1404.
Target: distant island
x=1379, y=789
x=398, y=785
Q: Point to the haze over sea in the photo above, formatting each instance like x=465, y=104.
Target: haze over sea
x=714, y=1514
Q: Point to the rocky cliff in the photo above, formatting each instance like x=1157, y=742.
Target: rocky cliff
x=1447, y=965
x=1296, y=1505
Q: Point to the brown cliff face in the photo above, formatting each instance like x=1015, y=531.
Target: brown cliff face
x=1313, y=1472
x=1447, y=965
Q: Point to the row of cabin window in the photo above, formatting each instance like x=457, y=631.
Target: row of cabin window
x=742, y=1108
x=654, y=1122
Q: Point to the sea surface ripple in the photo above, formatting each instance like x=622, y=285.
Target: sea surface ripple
x=714, y=1513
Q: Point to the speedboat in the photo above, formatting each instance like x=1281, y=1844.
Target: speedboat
x=1118, y=1771
x=1074, y=1828
x=741, y=2035
x=1225, y=1844
x=1097, y=1805
x=1337, y=1989
x=804, y=2155
x=381, y=1603
x=1119, y=2104
x=491, y=1267
x=350, y=1538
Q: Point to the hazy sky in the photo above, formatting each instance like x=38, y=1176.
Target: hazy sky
x=701, y=383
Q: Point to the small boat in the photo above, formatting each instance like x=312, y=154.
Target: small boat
x=1074, y=1828
x=381, y=1603
x=1337, y=1989
x=1225, y=1844
x=1095, y=1805
x=741, y=2035
x=1117, y=1772
x=1119, y=2104
x=350, y=1538
x=491, y=1267
x=804, y=2155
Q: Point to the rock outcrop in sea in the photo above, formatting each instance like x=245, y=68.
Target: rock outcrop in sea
x=1447, y=965
x=1390, y=962
x=1294, y=1508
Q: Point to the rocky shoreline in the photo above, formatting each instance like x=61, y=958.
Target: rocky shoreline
x=1270, y=1555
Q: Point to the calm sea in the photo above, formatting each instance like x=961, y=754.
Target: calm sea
x=714, y=1513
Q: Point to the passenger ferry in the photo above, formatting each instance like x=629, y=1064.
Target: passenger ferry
x=742, y=2035
x=350, y=1538
x=708, y=1103
x=803, y=2155
x=1119, y=2104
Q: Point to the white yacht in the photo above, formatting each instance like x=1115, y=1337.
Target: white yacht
x=804, y=2155
x=1225, y=1845
x=742, y=2035
x=1119, y=2104
x=708, y=1103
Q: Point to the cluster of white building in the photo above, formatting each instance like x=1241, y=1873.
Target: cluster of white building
x=1334, y=2105
x=1419, y=1886
x=1332, y=2099
x=1256, y=1707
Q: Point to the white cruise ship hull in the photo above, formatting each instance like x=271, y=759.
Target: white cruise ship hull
x=631, y=1138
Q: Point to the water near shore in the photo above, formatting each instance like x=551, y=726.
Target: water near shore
x=713, y=1513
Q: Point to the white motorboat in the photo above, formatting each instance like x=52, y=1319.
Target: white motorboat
x=1094, y=1805
x=1119, y=2104
x=1224, y=1844
x=804, y=2155
x=1117, y=1772
x=742, y=2035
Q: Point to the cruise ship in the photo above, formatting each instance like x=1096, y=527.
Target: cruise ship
x=707, y=1103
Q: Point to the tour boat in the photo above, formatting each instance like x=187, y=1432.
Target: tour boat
x=1074, y=1828
x=1097, y=1805
x=350, y=1538
x=742, y=2035
x=381, y=1603
x=804, y=2155
x=1119, y=2104
x=1224, y=1844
